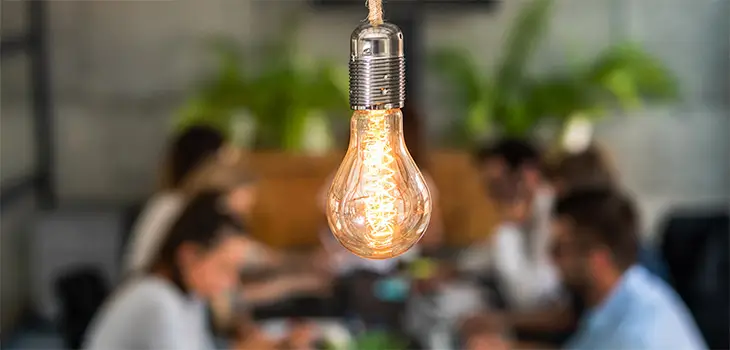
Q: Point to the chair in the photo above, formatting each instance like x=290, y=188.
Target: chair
x=81, y=292
x=67, y=240
x=695, y=247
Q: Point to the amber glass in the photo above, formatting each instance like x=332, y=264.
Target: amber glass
x=379, y=205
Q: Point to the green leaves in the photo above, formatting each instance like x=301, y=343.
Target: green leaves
x=272, y=86
x=378, y=341
x=522, y=40
x=628, y=74
x=513, y=103
x=499, y=101
x=456, y=67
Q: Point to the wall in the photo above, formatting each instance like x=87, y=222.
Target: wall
x=14, y=267
x=16, y=156
x=121, y=68
x=670, y=157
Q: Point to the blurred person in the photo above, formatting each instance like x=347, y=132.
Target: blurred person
x=230, y=175
x=587, y=168
x=595, y=247
x=511, y=172
x=187, y=151
x=555, y=321
x=591, y=168
x=163, y=306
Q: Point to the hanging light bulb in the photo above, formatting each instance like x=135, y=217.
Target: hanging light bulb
x=378, y=206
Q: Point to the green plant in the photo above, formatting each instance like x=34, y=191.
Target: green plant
x=270, y=85
x=376, y=340
x=512, y=103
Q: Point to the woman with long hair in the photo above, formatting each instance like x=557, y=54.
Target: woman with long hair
x=231, y=176
x=162, y=307
x=188, y=150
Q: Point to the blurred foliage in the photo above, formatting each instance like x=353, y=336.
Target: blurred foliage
x=379, y=340
x=272, y=85
x=512, y=103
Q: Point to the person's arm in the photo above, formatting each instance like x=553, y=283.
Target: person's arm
x=255, y=340
x=266, y=259
x=265, y=292
x=262, y=257
x=557, y=318
x=534, y=325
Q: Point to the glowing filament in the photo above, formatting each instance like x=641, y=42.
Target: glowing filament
x=380, y=184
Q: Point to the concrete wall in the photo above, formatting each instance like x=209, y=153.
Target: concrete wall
x=121, y=68
x=14, y=268
x=16, y=161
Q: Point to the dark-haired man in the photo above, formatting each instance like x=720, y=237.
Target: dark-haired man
x=595, y=247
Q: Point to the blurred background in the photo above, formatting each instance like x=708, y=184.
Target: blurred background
x=93, y=90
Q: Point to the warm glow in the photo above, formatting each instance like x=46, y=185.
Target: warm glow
x=379, y=205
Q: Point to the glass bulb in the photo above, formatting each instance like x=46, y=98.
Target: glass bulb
x=379, y=205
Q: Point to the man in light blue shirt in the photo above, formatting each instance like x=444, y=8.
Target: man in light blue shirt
x=595, y=247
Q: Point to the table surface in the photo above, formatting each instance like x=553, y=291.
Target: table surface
x=434, y=319
x=332, y=329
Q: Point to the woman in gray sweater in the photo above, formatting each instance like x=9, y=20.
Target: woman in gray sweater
x=164, y=307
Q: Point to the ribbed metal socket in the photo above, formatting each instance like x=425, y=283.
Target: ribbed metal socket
x=377, y=68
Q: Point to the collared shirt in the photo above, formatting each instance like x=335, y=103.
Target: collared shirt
x=642, y=313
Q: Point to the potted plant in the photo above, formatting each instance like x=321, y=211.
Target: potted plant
x=269, y=101
x=513, y=103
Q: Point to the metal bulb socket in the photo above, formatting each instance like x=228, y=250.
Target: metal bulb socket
x=377, y=67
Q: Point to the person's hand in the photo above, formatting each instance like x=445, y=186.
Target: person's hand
x=487, y=342
x=485, y=331
x=301, y=336
x=254, y=339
